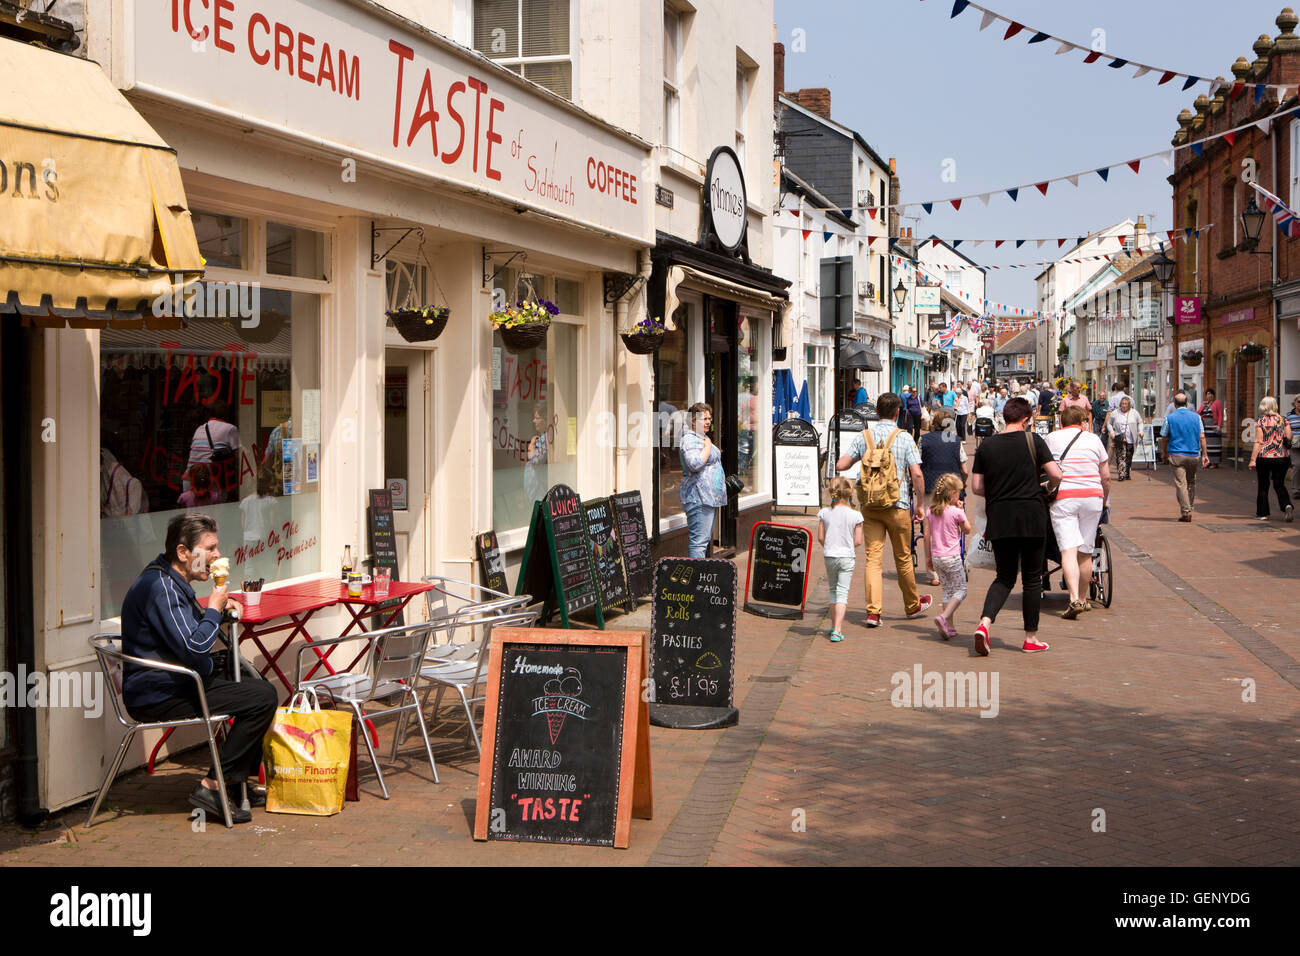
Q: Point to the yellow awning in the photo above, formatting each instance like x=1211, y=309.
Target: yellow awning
x=93, y=211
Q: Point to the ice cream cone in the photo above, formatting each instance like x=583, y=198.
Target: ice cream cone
x=220, y=570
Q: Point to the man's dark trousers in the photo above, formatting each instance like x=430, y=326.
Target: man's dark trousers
x=250, y=702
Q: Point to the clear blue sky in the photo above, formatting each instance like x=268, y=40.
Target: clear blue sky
x=924, y=88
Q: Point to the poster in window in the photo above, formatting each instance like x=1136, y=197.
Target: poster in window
x=310, y=414
x=277, y=406
x=311, y=456
x=289, y=458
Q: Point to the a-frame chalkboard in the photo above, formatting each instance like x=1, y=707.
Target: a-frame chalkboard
x=491, y=568
x=557, y=567
x=383, y=548
x=607, y=556
x=635, y=543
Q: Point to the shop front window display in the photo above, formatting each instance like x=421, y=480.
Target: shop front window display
x=221, y=416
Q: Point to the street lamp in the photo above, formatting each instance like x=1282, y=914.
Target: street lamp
x=1164, y=266
x=900, y=293
x=1252, y=220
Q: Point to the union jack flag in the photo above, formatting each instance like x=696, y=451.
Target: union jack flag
x=1282, y=215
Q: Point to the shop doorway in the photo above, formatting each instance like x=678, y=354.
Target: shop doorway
x=720, y=375
x=408, y=473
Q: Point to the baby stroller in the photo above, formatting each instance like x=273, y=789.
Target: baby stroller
x=984, y=427
x=1101, y=588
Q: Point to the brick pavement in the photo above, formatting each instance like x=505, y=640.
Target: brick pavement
x=1137, y=711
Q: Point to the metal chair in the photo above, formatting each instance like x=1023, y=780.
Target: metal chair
x=467, y=668
x=107, y=648
x=392, y=665
x=458, y=610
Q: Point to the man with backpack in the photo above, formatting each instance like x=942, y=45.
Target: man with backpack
x=889, y=481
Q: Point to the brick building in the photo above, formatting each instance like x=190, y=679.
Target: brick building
x=1245, y=286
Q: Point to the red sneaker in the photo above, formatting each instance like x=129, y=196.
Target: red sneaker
x=926, y=601
x=982, y=641
x=873, y=620
x=1029, y=647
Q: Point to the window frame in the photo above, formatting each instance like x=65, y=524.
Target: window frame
x=672, y=118
x=521, y=61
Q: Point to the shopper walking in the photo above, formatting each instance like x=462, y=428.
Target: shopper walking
x=1269, y=458
x=946, y=527
x=1124, y=426
x=1074, y=399
x=963, y=410
x=704, y=485
x=888, y=452
x=1212, y=419
x=1183, y=444
x=1293, y=419
x=941, y=454
x=1007, y=472
x=912, y=408
x=839, y=532
x=1076, y=512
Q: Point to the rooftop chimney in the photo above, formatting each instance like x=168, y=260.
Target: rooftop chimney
x=817, y=99
x=778, y=70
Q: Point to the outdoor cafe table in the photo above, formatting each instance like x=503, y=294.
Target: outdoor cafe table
x=298, y=603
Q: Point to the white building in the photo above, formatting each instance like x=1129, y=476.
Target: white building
x=965, y=282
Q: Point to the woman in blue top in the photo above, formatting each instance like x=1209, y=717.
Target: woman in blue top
x=704, y=486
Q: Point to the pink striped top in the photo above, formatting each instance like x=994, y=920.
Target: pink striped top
x=1081, y=468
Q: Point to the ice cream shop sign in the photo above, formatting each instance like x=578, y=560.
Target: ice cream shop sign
x=333, y=74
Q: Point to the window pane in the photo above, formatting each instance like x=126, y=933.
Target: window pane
x=255, y=390
x=534, y=424
x=672, y=121
x=556, y=77
x=496, y=27
x=568, y=296
x=672, y=55
x=673, y=423
x=747, y=417
x=546, y=28
x=221, y=239
x=295, y=252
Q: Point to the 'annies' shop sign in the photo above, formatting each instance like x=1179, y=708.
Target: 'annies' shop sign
x=332, y=72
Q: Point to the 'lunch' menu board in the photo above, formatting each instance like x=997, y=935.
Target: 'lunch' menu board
x=778, y=570
x=693, y=643
x=566, y=738
x=557, y=567
x=630, y=516
x=607, y=555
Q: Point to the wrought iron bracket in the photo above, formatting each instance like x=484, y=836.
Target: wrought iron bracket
x=374, y=234
x=488, y=277
x=619, y=284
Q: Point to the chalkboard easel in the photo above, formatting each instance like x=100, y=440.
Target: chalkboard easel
x=557, y=567
x=778, y=570
x=383, y=547
x=693, y=644
x=566, y=738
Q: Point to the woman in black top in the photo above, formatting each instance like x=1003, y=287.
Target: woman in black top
x=1005, y=474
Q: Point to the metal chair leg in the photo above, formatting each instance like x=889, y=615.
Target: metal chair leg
x=374, y=760
x=111, y=776
x=428, y=748
x=221, y=778
x=469, y=717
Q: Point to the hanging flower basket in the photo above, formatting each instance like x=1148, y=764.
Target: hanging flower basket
x=644, y=338
x=1252, y=352
x=524, y=326
x=420, y=325
x=1192, y=357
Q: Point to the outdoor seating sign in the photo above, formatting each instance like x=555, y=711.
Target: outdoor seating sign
x=693, y=643
x=607, y=556
x=557, y=568
x=630, y=516
x=383, y=544
x=778, y=570
x=794, y=462
x=566, y=738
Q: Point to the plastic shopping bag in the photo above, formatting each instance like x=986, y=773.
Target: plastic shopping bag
x=306, y=753
x=979, y=553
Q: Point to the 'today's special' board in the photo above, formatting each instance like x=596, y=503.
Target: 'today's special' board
x=607, y=556
x=693, y=643
x=557, y=567
x=632, y=536
x=566, y=738
x=778, y=570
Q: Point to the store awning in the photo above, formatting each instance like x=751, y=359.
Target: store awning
x=857, y=355
x=95, y=221
x=909, y=355
x=716, y=285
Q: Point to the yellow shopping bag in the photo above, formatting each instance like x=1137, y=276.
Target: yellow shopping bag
x=306, y=757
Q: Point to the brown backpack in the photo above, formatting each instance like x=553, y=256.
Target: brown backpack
x=878, y=485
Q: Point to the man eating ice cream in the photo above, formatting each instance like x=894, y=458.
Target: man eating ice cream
x=162, y=621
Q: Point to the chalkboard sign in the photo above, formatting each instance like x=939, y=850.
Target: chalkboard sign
x=607, y=555
x=794, y=463
x=630, y=517
x=383, y=548
x=556, y=567
x=852, y=424
x=566, y=752
x=491, y=566
x=693, y=643
x=778, y=570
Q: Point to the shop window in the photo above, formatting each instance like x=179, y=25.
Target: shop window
x=568, y=296
x=534, y=423
x=291, y=251
x=251, y=381
x=818, y=362
x=749, y=419
x=531, y=37
x=222, y=239
x=1221, y=378
x=674, y=388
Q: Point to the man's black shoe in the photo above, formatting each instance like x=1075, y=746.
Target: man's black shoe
x=207, y=800
x=256, y=798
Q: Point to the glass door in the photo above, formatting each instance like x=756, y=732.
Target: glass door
x=407, y=473
x=720, y=393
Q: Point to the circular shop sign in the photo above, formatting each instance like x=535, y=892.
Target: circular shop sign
x=724, y=188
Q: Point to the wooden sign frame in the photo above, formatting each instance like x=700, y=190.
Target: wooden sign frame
x=635, y=791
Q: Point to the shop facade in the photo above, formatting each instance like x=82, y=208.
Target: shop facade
x=408, y=171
